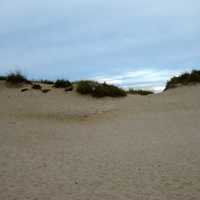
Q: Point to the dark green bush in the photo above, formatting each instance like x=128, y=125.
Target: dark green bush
x=96, y=89
x=195, y=76
x=48, y=82
x=184, y=79
x=86, y=87
x=36, y=87
x=46, y=90
x=17, y=78
x=139, y=92
x=24, y=89
x=68, y=89
x=62, y=84
x=3, y=78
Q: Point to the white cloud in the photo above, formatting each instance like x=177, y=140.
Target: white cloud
x=140, y=79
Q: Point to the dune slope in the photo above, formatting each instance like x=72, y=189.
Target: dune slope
x=65, y=146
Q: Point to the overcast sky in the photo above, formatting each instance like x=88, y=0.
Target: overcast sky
x=130, y=43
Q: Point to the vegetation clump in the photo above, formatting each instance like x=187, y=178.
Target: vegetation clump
x=3, y=78
x=69, y=88
x=24, y=89
x=46, y=90
x=139, y=92
x=17, y=78
x=48, y=82
x=184, y=79
x=36, y=87
x=96, y=89
x=61, y=83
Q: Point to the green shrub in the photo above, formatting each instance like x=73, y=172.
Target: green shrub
x=46, y=90
x=3, y=78
x=62, y=84
x=69, y=89
x=24, y=89
x=17, y=78
x=36, y=87
x=184, y=79
x=48, y=82
x=85, y=87
x=139, y=92
x=96, y=89
x=195, y=76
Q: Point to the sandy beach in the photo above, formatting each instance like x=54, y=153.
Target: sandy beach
x=64, y=146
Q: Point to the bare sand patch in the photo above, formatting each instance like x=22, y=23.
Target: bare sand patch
x=65, y=146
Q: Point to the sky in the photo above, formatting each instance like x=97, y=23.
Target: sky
x=130, y=43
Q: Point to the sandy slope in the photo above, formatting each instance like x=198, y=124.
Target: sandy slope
x=60, y=146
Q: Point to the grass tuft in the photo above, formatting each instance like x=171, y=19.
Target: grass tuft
x=139, y=92
x=17, y=78
x=46, y=90
x=24, y=89
x=184, y=79
x=48, y=82
x=61, y=83
x=37, y=87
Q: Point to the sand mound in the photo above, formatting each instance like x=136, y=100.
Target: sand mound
x=62, y=145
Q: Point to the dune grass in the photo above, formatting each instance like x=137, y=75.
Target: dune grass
x=96, y=89
x=37, y=87
x=48, y=82
x=184, y=79
x=139, y=92
x=24, y=89
x=46, y=90
x=3, y=78
x=61, y=83
x=16, y=78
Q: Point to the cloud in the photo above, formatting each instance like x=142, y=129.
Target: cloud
x=140, y=79
x=81, y=39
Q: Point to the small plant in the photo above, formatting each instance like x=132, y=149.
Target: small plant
x=17, y=78
x=61, y=83
x=184, y=79
x=24, y=89
x=139, y=92
x=36, y=87
x=96, y=89
x=68, y=89
x=46, y=90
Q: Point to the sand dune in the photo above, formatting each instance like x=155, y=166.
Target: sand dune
x=60, y=146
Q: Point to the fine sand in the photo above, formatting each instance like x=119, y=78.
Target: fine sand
x=63, y=146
